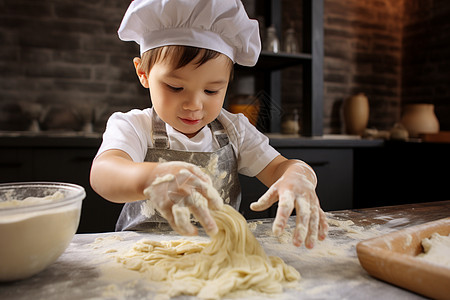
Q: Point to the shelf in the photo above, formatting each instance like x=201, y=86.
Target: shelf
x=270, y=61
x=267, y=72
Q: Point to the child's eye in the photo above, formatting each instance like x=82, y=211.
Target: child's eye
x=174, y=89
x=209, y=92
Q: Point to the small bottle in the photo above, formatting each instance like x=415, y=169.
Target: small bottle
x=291, y=44
x=291, y=123
x=272, y=43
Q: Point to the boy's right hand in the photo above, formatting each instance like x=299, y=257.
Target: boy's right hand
x=180, y=189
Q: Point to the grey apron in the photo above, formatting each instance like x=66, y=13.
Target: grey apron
x=220, y=165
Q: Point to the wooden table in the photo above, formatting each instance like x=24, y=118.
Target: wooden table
x=330, y=271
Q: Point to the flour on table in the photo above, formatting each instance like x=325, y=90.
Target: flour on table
x=436, y=249
x=354, y=231
x=332, y=262
x=106, y=241
x=252, y=225
x=233, y=261
x=327, y=247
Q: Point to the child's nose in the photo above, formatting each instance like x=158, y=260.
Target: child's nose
x=193, y=103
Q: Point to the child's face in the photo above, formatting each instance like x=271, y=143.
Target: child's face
x=190, y=97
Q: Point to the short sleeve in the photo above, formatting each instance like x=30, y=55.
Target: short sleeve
x=252, y=147
x=129, y=132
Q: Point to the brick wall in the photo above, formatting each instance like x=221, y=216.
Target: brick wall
x=67, y=53
x=426, y=56
x=362, y=45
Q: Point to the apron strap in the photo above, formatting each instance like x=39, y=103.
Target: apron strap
x=161, y=140
x=159, y=134
x=219, y=132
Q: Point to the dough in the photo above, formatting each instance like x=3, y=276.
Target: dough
x=232, y=261
x=436, y=249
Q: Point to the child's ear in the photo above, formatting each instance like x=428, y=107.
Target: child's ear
x=140, y=72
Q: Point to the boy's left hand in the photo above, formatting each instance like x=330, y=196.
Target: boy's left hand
x=295, y=189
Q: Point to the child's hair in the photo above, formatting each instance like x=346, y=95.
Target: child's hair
x=179, y=57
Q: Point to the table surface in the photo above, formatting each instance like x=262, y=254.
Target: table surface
x=88, y=270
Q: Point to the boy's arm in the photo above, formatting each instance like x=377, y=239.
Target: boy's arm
x=115, y=177
x=292, y=183
x=176, y=188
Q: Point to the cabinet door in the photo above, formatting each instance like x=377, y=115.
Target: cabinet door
x=252, y=189
x=401, y=173
x=73, y=166
x=15, y=165
x=334, y=169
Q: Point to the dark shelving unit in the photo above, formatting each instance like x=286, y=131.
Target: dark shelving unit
x=269, y=66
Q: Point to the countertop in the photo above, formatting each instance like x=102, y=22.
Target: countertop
x=82, y=139
x=50, y=139
x=324, y=141
x=88, y=270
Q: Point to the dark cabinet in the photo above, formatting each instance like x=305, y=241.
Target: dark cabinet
x=334, y=170
x=401, y=173
x=350, y=174
x=62, y=164
x=67, y=162
x=73, y=165
x=15, y=165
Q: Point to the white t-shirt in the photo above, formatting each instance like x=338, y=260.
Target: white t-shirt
x=131, y=133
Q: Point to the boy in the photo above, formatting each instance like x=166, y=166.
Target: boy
x=163, y=154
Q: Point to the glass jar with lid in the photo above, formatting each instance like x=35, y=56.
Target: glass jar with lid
x=272, y=42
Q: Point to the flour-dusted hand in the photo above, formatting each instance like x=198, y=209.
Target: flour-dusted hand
x=181, y=189
x=296, y=189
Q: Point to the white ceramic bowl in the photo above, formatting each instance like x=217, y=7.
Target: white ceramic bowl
x=37, y=222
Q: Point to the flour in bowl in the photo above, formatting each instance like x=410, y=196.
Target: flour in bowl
x=11, y=202
x=33, y=239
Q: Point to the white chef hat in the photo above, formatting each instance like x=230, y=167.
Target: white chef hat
x=220, y=25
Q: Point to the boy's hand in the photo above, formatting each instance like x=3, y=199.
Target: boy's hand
x=295, y=189
x=181, y=189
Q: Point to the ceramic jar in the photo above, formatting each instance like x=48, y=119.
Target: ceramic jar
x=248, y=105
x=356, y=114
x=419, y=119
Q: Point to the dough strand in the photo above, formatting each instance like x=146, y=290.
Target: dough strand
x=232, y=261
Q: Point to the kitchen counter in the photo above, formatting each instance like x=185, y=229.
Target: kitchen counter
x=325, y=141
x=88, y=269
x=94, y=139
x=50, y=139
